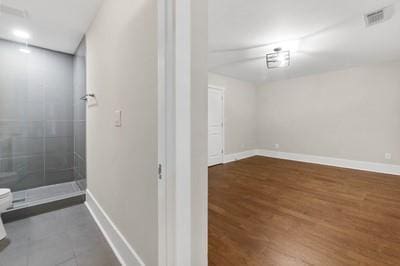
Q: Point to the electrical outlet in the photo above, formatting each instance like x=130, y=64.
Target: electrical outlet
x=388, y=156
x=277, y=146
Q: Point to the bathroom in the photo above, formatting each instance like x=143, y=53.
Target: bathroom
x=43, y=110
x=42, y=123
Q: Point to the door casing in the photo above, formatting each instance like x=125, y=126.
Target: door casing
x=222, y=91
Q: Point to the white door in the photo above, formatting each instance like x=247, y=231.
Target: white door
x=215, y=126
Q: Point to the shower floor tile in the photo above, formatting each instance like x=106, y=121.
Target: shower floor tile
x=40, y=195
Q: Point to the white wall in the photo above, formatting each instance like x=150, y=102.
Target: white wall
x=199, y=162
x=239, y=112
x=122, y=162
x=350, y=114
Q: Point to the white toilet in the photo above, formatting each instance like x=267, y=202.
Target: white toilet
x=5, y=203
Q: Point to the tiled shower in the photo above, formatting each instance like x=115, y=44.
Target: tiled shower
x=42, y=122
x=79, y=117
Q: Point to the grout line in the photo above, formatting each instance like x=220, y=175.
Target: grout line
x=44, y=132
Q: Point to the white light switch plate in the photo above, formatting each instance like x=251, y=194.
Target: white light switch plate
x=118, y=118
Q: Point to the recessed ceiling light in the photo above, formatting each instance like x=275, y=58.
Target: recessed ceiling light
x=25, y=50
x=21, y=34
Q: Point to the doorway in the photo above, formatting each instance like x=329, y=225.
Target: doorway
x=215, y=125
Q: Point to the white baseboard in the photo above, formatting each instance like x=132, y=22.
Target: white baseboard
x=344, y=163
x=122, y=249
x=238, y=156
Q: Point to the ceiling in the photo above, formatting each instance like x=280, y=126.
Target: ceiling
x=321, y=35
x=53, y=24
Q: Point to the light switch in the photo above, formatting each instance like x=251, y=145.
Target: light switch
x=118, y=118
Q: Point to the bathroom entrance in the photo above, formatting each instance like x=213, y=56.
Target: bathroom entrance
x=42, y=121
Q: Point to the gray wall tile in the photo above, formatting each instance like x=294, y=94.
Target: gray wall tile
x=20, y=146
x=80, y=138
x=22, y=173
x=21, y=111
x=25, y=129
x=80, y=110
x=79, y=83
x=22, y=165
x=59, y=129
x=59, y=111
x=59, y=176
x=27, y=181
x=59, y=145
x=79, y=167
x=36, y=117
x=59, y=161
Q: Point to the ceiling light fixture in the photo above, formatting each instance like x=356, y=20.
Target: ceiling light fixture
x=21, y=34
x=278, y=59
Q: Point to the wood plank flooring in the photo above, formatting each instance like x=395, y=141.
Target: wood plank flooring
x=265, y=211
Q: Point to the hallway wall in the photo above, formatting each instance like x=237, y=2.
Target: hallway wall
x=122, y=161
x=199, y=132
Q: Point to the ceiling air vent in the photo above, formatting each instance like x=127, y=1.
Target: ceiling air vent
x=379, y=16
x=8, y=10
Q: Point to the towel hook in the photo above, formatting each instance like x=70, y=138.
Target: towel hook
x=85, y=98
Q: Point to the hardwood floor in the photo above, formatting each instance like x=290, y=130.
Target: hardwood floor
x=265, y=211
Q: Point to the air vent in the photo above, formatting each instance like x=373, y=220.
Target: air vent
x=379, y=16
x=12, y=11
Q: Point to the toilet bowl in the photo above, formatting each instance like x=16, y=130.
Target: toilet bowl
x=5, y=203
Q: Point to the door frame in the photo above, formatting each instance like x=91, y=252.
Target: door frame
x=174, y=132
x=164, y=53
x=222, y=90
x=177, y=239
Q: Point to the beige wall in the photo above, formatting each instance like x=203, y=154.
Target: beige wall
x=350, y=114
x=239, y=112
x=122, y=162
x=199, y=96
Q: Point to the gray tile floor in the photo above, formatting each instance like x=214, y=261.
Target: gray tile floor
x=67, y=237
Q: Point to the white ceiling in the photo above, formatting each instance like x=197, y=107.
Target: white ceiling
x=331, y=35
x=53, y=24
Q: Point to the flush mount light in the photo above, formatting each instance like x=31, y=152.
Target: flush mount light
x=25, y=50
x=21, y=34
x=278, y=59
